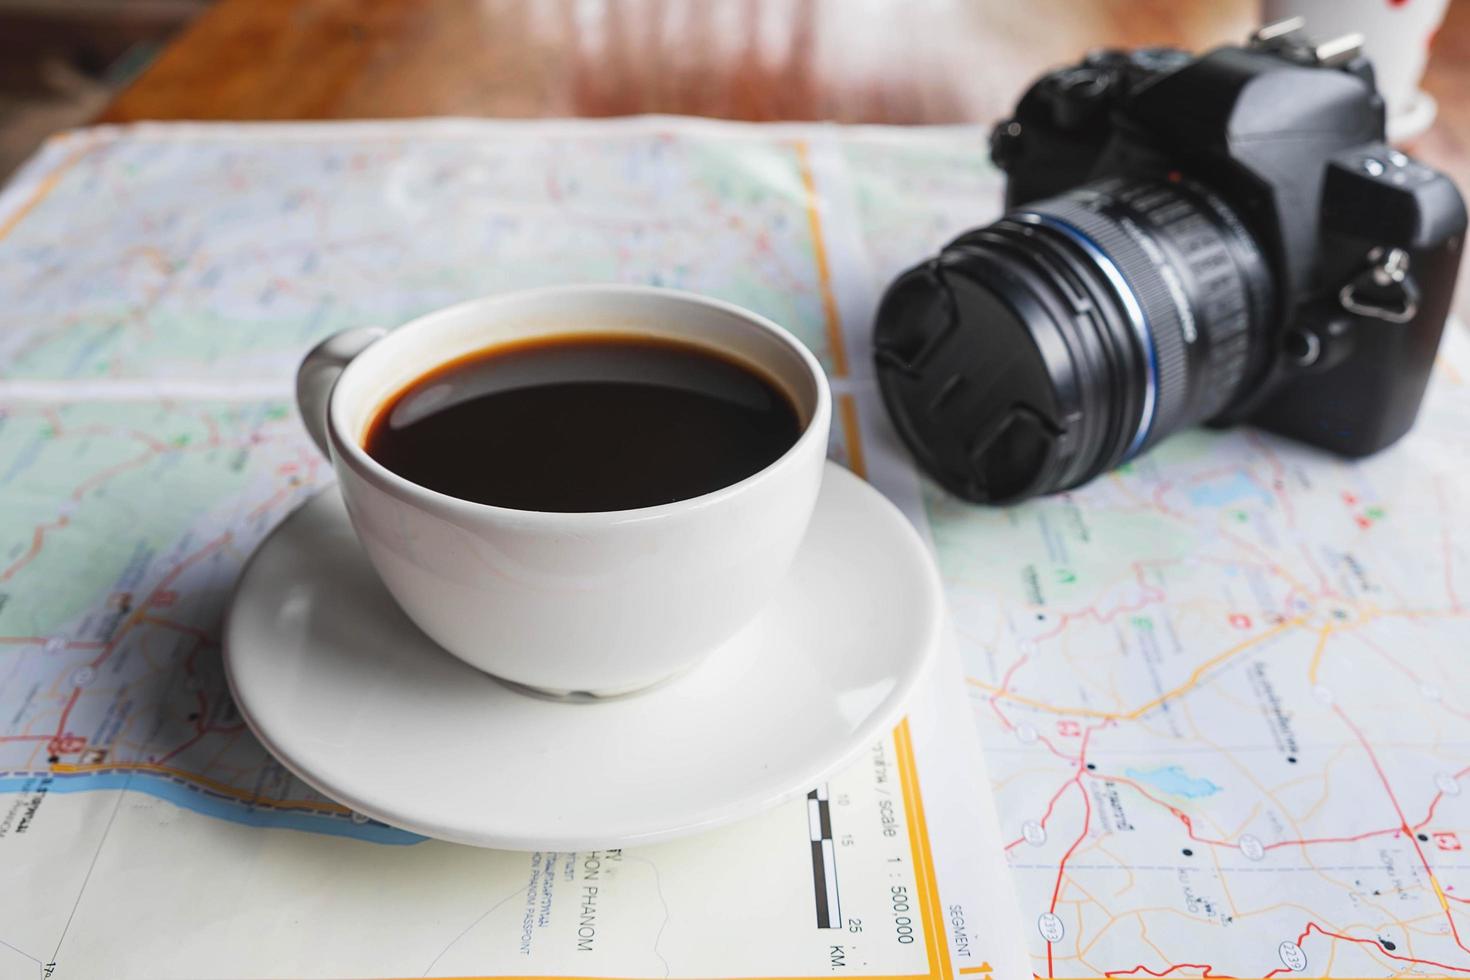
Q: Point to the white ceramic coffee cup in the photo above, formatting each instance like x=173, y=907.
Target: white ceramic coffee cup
x=602, y=603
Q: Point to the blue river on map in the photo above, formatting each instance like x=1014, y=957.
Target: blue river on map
x=1174, y=781
x=165, y=787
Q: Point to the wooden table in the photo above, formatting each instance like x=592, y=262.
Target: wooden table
x=741, y=59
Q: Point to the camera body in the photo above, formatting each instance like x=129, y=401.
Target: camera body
x=1361, y=243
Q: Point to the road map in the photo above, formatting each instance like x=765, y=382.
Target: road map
x=159, y=285
x=1207, y=711
x=1222, y=690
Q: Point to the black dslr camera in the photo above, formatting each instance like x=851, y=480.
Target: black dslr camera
x=1221, y=239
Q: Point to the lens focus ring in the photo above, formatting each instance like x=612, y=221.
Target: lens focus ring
x=1205, y=241
x=1164, y=313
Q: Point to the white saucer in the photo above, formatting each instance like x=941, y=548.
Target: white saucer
x=337, y=682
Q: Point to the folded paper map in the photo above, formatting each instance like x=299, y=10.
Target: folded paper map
x=1200, y=718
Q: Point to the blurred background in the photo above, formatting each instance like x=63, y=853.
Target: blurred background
x=65, y=63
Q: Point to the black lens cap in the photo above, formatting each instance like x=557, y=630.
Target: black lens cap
x=970, y=386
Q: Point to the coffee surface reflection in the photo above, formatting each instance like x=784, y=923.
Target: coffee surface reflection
x=584, y=422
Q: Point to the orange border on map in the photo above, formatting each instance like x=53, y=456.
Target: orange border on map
x=819, y=250
x=852, y=435
x=45, y=187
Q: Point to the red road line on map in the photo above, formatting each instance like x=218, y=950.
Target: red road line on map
x=1056, y=892
x=110, y=431
x=1152, y=594
x=1393, y=662
x=163, y=583
x=200, y=729
x=76, y=692
x=193, y=631
x=275, y=498
x=136, y=617
x=1055, y=631
x=1329, y=840
x=1053, y=801
x=26, y=738
x=1305, y=841
x=1324, y=585
x=213, y=427
x=188, y=742
x=1263, y=557
x=1195, y=677
x=1157, y=497
x=37, y=536
x=1005, y=684
x=994, y=700
x=1062, y=866
x=1069, y=759
x=1076, y=780
x=1209, y=971
x=97, y=479
x=1189, y=824
x=1300, y=842
x=1404, y=822
x=1437, y=797
x=1005, y=681
x=1311, y=926
x=1278, y=476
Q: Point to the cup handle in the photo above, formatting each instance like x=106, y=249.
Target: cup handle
x=318, y=373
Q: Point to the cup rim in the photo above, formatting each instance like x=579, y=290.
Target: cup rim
x=349, y=452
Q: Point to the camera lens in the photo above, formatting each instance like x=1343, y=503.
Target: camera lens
x=1071, y=335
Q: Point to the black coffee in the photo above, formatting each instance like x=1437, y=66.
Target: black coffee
x=583, y=423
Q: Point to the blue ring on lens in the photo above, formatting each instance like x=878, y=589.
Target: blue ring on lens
x=1137, y=319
